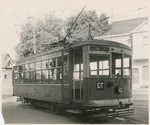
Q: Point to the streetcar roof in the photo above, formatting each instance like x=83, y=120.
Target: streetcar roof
x=78, y=44
x=98, y=42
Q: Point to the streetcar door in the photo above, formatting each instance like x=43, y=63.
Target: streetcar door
x=77, y=76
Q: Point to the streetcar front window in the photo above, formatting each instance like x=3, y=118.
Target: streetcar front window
x=116, y=64
x=127, y=67
x=93, y=67
x=99, y=65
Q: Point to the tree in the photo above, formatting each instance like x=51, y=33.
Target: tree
x=47, y=31
x=52, y=30
x=87, y=24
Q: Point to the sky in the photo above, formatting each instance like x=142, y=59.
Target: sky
x=14, y=13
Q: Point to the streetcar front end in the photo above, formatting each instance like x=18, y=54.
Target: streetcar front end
x=106, y=77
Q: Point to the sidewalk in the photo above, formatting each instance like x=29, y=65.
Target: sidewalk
x=141, y=91
x=140, y=94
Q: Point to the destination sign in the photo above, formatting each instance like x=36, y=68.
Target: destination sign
x=98, y=48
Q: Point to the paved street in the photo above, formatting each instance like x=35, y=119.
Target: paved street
x=141, y=105
x=17, y=112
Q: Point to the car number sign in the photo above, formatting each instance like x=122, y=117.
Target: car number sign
x=100, y=85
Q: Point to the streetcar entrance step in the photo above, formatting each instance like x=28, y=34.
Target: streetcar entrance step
x=74, y=111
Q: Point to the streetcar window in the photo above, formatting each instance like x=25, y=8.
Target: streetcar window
x=16, y=78
x=52, y=74
x=38, y=65
x=118, y=67
x=21, y=68
x=32, y=77
x=21, y=77
x=15, y=69
x=99, y=65
x=81, y=66
x=27, y=76
x=45, y=64
x=126, y=62
x=66, y=60
x=59, y=61
x=93, y=67
x=38, y=77
x=116, y=64
x=78, y=66
x=104, y=66
x=32, y=66
x=66, y=70
x=52, y=63
x=66, y=65
x=26, y=68
x=105, y=72
x=93, y=64
x=59, y=74
x=76, y=75
x=45, y=75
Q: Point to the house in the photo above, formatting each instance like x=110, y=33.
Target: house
x=6, y=74
x=134, y=33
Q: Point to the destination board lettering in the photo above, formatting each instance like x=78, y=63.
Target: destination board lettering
x=95, y=48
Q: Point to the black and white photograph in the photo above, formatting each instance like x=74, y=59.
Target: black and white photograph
x=74, y=62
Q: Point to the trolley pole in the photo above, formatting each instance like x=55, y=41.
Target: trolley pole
x=34, y=37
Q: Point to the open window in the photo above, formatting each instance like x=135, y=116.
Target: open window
x=116, y=65
x=45, y=77
x=21, y=74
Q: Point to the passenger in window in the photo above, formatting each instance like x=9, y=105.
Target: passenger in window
x=51, y=64
x=46, y=65
x=58, y=74
x=117, y=75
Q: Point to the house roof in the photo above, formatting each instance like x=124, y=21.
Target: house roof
x=4, y=56
x=5, y=60
x=124, y=26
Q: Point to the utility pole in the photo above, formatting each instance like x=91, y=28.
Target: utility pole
x=111, y=22
x=34, y=34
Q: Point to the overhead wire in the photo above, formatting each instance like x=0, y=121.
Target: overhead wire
x=117, y=15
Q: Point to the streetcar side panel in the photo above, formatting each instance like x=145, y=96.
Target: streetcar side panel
x=40, y=77
x=49, y=92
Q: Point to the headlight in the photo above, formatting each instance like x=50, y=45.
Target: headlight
x=119, y=89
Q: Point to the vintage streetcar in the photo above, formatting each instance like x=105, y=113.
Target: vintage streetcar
x=84, y=77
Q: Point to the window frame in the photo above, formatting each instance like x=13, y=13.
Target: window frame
x=129, y=68
x=37, y=67
x=80, y=71
x=103, y=58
